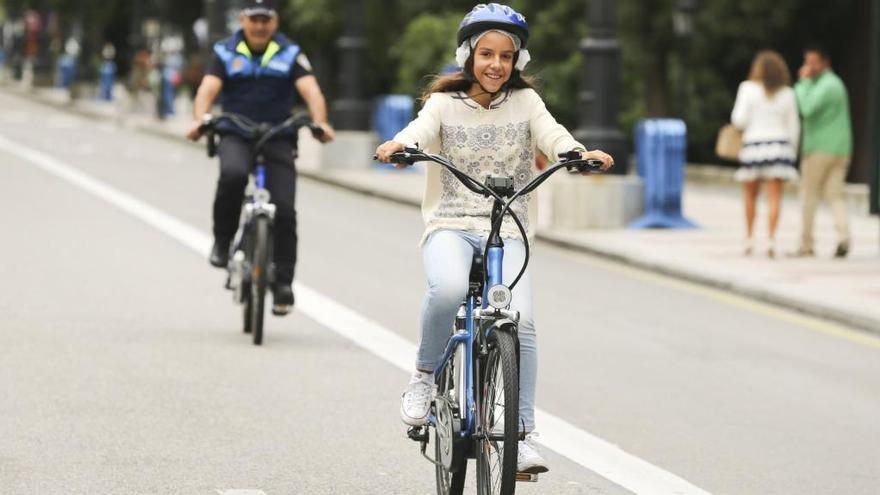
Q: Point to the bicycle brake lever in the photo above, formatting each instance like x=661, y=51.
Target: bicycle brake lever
x=569, y=156
x=317, y=131
x=591, y=165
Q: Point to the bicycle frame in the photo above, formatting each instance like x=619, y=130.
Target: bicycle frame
x=258, y=200
x=257, y=203
x=469, y=335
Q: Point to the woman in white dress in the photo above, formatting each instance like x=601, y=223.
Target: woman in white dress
x=766, y=111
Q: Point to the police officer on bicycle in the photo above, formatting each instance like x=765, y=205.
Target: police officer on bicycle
x=259, y=73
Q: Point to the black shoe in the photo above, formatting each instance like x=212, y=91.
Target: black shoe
x=219, y=254
x=842, y=250
x=282, y=299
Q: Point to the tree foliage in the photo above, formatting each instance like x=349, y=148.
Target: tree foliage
x=427, y=45
x=409, y=40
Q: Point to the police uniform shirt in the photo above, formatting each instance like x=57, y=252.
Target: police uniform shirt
x=260, y=86
x=302, y=66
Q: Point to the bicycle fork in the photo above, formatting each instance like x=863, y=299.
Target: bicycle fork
x=257, y=204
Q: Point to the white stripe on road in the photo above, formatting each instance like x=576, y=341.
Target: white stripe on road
x=591, y=452
x=174, y=228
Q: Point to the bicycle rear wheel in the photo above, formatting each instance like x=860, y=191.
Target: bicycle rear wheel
x=496, y=454
x=448, y=447
x=259, y=277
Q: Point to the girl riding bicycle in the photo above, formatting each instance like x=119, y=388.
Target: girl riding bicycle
x=488, y=120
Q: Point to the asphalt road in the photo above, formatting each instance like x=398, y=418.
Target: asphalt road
x=123, y=369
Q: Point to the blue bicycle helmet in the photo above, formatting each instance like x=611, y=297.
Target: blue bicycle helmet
x=484, y=17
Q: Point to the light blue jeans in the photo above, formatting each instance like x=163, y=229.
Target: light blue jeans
x=447, y=255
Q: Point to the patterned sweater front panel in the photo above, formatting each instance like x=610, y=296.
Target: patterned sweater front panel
x=484, y=150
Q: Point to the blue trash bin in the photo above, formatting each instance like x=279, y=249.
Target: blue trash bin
x=167, y=91
x=661, y=149
x=66, y=71
x=390, y=115
x=107, y=76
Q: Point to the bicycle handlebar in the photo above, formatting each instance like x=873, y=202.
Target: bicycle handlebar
x=571, y=161
x=259, y=131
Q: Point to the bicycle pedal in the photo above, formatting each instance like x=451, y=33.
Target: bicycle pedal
x=417, y=433
x=530, y=477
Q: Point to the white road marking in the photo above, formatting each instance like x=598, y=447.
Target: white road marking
x=591, y=452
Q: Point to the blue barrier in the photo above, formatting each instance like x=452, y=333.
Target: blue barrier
x=66, y=71
x=661, y=146
x=107, y=76
x=391, y=114
x=167, y=92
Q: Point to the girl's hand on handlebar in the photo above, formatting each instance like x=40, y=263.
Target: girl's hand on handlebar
x=384, y=151
x=605, y=158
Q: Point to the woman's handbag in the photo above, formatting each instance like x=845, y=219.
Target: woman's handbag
x=729, y=142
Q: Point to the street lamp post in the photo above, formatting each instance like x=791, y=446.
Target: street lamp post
x=683, y=26
x=87, y=43
x=875, y=119
x=43, y=73
x=598, y=96
x=216, y=12
x=350, y=111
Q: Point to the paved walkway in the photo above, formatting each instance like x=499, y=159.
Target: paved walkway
x=846, y=291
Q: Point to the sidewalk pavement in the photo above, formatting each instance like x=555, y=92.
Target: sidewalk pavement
x=846, y=291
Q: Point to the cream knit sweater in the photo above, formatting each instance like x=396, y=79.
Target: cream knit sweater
x=499, y=140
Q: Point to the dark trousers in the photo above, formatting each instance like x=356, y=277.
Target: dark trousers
x=235, y=165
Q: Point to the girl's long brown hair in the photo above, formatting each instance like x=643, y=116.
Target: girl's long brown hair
x=769, y=69
x=463, y=80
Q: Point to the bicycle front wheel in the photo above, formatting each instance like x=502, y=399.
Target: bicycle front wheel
x=246, y=299
x=247, y=312
x=259, y=277
x=499, y=411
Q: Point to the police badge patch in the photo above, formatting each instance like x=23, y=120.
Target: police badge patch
x=302, y=60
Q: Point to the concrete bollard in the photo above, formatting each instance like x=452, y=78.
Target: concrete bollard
x=573, y=201
x=350, y=150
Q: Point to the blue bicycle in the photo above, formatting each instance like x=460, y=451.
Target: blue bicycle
x=250, y=268
x=475, y=410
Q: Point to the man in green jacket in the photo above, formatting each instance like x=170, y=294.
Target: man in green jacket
x=826, y=146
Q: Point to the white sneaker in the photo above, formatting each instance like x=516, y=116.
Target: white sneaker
x=528, y=460
x=415, y=403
